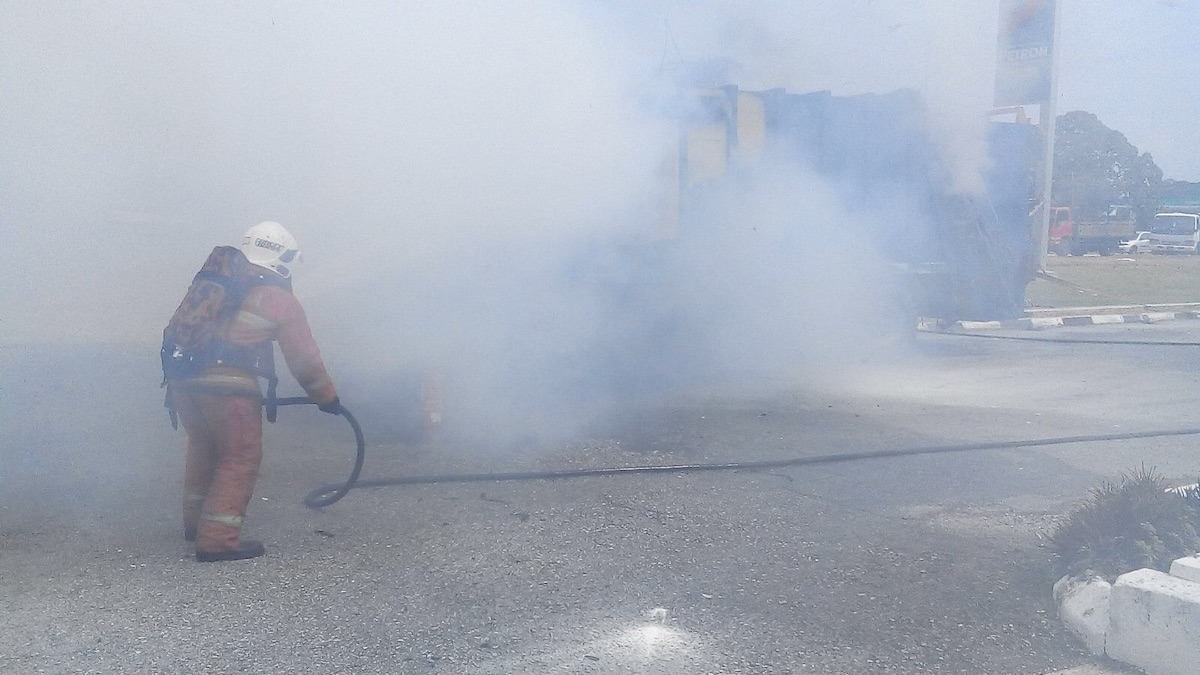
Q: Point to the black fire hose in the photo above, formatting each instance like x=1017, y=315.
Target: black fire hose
x=329, y=494
x=787, y=462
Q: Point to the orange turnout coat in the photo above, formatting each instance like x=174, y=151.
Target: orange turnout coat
x=221, y=410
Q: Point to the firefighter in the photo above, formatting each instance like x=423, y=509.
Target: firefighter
x=221, y=405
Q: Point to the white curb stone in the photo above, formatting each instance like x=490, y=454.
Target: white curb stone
x=1188, y=569
x=1083, y=607
x=1100, y=319
x=1046, y=322
x=1154, y=623
x=979, y=325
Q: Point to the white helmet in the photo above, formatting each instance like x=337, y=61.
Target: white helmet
x=268, y=245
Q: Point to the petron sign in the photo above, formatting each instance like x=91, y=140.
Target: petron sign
x=1024, y=52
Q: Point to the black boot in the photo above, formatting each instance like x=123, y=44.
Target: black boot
x=246, y=550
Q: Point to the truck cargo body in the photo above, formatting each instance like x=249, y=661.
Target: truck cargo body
x=963, y=254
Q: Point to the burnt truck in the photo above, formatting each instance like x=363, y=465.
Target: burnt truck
x=957, y=255
x=1072, y=235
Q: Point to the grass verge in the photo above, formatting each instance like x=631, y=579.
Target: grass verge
x=1117, y=280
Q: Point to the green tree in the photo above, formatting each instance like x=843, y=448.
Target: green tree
x=1095, y=166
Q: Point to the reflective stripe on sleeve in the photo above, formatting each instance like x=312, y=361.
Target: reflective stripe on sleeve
x=192, y=497
x=319, y=383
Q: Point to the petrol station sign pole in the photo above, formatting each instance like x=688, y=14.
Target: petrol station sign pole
x=1027, y=74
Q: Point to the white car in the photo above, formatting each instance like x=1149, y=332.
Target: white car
x=1139, y=244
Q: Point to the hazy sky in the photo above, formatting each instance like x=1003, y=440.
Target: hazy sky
x=1136, y=64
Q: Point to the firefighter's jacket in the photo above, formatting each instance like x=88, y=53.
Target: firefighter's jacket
x=270, y=313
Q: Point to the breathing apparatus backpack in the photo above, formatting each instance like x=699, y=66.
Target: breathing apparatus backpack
x=192, y=341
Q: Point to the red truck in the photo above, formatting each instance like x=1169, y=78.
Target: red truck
x=1069, y=236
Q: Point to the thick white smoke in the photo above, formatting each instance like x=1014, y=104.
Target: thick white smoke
x=473, y=183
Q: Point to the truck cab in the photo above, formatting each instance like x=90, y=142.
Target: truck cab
x=1175, y=233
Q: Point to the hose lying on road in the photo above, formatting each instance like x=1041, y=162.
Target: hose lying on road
x=732, y=466
x=328, y=494
x=1063, y=341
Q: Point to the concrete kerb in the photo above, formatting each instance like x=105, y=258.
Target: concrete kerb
x=1154, y=623
x=1114, y=309
x=1147, y=619
x=1043, y=322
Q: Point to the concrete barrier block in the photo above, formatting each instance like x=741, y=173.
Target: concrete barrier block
x=1154, y=623
x=1187, y=569
x=1083, y=607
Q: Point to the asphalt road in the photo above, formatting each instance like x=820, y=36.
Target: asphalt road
x=929, y=564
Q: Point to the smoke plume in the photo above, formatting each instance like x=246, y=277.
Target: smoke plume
x=476, y=187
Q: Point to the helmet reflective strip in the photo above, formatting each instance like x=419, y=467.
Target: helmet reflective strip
x=288, y=255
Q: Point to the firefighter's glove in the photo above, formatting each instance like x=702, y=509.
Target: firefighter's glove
x=334, y=407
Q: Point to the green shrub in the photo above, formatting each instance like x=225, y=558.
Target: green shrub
x=1128, y=525
x=1191, y=497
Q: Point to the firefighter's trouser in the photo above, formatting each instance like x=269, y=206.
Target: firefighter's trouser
x=224, y=450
